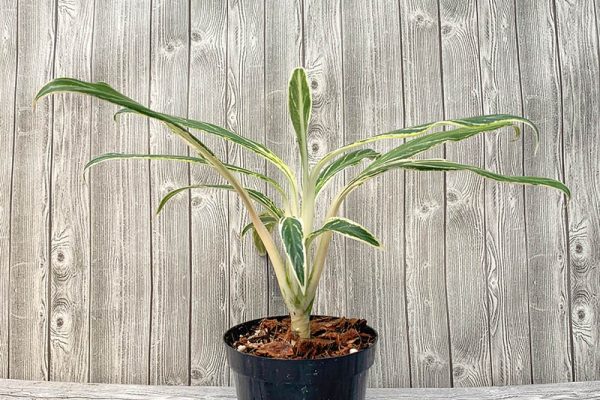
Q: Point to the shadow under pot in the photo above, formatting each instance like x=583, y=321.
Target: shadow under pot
x=264, y=378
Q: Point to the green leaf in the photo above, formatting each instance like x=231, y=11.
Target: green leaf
x=258, y=243
x=194, y=160
x=300, y=104
x=255, y=195
x=103, y=91
x=292, y=237
x=423, y=129
x=125, y=156
x=445, y=165
x=267, y=219
x=347, y=160
x=468, y=129
x=347, y=228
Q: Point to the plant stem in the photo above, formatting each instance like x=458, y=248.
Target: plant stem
x=300, y=323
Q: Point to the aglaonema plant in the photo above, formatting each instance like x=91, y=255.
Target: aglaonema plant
x=284, y=228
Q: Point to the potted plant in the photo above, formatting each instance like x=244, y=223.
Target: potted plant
x=294, y=357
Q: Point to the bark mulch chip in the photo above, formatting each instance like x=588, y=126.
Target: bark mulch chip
x=330, y=337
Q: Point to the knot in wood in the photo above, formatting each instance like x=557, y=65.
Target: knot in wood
x=458, y=371
x=196, y=36
x=452, y=197
x=447, y=29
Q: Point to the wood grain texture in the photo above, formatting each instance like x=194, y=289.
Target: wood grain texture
x=283, y=53
x=373, y=103
x=169, y=343
x=209, y=212
x=14, y=389
x=547, y=256
x=323, y=62
x=8, y=64
x=424, y=203
x=70, y=234
x=30, y=210
x=245, y=116
x=580, y=72
x=465, y=202
x=505, y=216
x=120, y=234
x=94, y=285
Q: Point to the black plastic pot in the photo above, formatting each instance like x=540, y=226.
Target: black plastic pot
x=262, y=378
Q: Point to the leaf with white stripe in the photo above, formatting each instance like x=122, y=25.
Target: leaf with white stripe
x=300, y=105
x=445, y=165
x=254, y=195
x=347, y=160
x=292, y=237
x=347, y=228
x=105, y=92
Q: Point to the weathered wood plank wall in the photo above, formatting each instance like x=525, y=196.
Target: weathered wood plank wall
x=479, y=284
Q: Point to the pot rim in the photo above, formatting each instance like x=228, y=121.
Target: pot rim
x=224, y=337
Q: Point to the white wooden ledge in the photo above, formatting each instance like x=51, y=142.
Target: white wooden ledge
x=14, y=389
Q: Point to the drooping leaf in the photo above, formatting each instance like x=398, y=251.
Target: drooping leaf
x=292, y=237
x=267, y=219
x=254, y=194
x=270, y=222
x=423, y=143
x=345, y=161
x=347, y=228
x=194, y=160
x=105, y=92
x=445, y=165
x=300, y=103
x=424, y=129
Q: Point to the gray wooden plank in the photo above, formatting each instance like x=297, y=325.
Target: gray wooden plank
x=546, y=241
x=245, y=115
x=323, y=62
x=30, y=211
x=283, y=52
x=8, y=64
x=373, y=103
x=209, y=213
x=465, y=203
x=505, y=220
x=15, y=389
x=169, y=341
x=580, y=71
x=70, y=235
x=424, y=203
x=120, y=252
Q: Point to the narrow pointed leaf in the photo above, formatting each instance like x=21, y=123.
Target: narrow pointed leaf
x=255, y=195
x=193, y=160
x=347, y=228
x=432, y=140
x=424, y=129
x=300, y=103
x=105, y=92
x=445, y=165
x=292, y=238
x=345, y=161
